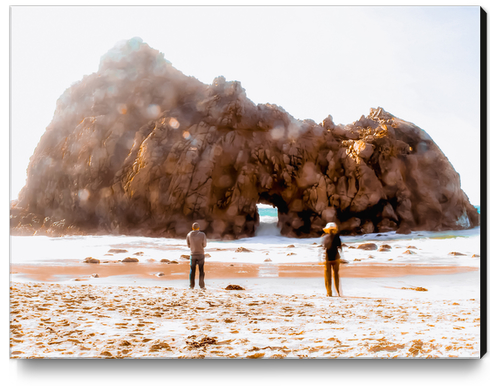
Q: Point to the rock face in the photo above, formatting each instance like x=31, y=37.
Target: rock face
x=139, y=148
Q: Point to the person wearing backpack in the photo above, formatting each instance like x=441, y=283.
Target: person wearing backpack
x=331, y=242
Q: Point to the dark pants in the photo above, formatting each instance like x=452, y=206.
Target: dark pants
x=329, y=267
x=197, y=259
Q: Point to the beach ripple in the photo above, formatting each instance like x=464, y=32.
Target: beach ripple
x=88, y=321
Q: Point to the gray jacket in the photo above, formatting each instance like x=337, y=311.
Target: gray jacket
x=196, y=241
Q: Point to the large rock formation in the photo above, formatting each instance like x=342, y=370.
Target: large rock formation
x=139, y=148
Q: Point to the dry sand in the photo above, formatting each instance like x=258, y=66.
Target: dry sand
x=80, y=320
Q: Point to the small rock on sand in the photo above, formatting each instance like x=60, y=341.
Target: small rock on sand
x=409, y=252
x=383, y=249
x=415, y=288
x=290, y=246
x=91, y=260
x=160, y=274
x=116, y=250
x=456, y=254
x=242, y=249
x=95, y=275
x=475, y=255
x=387, y=246
x=267, y=260
x=234, y=287
x=411, y=247
x=368, y=246
x=130, y=260
x=138, y=253
x=185, y=257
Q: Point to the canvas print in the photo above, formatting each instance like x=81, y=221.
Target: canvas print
x=245, y=182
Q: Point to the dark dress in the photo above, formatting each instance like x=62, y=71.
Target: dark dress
x=331, y=243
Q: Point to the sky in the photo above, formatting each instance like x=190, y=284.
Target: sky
x=422, y=64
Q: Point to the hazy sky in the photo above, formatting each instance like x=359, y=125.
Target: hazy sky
x=421, y=64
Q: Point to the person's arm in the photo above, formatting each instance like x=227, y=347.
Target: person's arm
x=204, y=241
x=188, y=241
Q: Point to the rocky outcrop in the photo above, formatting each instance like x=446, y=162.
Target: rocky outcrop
x=139, y=148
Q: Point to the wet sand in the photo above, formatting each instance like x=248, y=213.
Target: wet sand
x=84, y=271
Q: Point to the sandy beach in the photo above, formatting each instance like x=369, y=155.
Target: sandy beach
x=64, y=311
x=413, y=296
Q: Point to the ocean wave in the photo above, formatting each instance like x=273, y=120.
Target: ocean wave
x=268, y=227
x=268, y=219
x=451, y=234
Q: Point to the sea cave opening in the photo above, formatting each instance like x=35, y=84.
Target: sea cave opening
x=269, y=207
x=268, y=216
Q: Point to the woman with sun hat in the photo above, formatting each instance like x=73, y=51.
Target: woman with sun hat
x=331, y=242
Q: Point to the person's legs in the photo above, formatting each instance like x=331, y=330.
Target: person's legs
x=201, y=272
x=336, y=267
x=192, y=274
x=328, y=277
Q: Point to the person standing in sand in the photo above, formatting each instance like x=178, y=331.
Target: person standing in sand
x=196, y=241
x=331, y=242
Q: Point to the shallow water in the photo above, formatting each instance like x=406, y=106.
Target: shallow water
x=430, y=248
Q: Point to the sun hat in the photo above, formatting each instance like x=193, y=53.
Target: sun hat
x=329, y=226
x=195, y=226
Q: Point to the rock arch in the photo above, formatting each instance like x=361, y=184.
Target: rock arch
x=139, y=148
